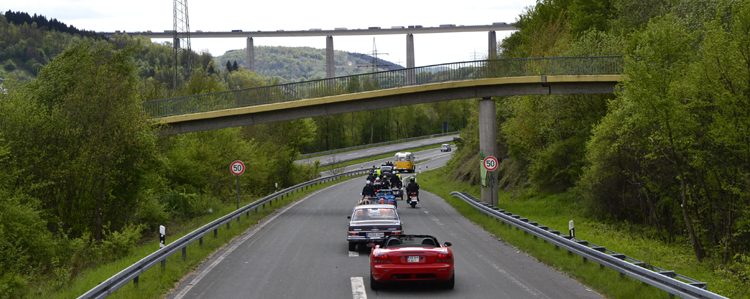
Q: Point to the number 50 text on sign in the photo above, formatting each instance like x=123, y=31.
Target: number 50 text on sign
x=237, y=167
x=490, y=163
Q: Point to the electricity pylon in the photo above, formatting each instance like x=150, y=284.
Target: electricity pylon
x=181, y=37
x=374, y=55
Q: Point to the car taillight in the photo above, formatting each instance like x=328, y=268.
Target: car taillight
x=444, y=257
x=380, y=257
x=396, y=233
x=353, y=233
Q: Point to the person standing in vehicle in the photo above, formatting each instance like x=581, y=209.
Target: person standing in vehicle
x=378, y=184
x=412, y=186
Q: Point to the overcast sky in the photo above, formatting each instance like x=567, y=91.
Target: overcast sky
x=226, y=15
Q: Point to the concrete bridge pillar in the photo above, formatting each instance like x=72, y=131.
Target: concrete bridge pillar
x=488, y=147
x=250, y=55
x=410, y=74
x=492, y=53
x=330, y=66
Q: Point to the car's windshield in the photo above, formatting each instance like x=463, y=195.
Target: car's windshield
x=412, y=241
x=374, y=214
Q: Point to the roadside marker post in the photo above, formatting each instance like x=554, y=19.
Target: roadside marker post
x=571, y=229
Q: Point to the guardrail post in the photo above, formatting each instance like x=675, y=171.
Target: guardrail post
x=200, y=241
x=135, y=281
x=184, y=253
x=256, y=210
x=164, y=263
x=216, y=233
x=228, y=224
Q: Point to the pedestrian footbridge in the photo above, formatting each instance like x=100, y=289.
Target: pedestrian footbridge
x=444, y=82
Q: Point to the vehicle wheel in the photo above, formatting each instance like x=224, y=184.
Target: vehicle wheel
x=450, y=283
x=374, y=285
x=352, y=246
x=413, y=204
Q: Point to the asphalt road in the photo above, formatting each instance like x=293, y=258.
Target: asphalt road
x=372, y=151
x=301, y=252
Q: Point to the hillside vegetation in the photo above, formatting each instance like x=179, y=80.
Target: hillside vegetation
x=668, y=153
x=293, y=64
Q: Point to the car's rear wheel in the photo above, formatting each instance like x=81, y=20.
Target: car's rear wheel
x=450, y=283
x=352, y=246
x=374, y=285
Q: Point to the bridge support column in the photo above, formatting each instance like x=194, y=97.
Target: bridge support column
x=330, y=66
x=492, y=38
x=250, y=55
x=410, y=74
x=488, y=147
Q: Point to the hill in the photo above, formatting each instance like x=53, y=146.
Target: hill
x=292, y=64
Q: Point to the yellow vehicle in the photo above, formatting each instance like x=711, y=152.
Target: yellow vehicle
x=404, y=162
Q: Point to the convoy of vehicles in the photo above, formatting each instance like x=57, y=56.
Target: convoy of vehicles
x=395, y=257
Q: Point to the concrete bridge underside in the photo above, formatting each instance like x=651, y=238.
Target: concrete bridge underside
x=403, y=96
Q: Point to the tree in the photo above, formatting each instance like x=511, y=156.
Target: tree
x=98, y=144
x=228, y=67
x=234, y=66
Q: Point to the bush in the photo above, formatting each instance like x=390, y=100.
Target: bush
x=119, y=244
x=10, y=66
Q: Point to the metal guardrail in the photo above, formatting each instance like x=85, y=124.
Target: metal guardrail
x=112, y=284
x=458, y=71
x=375, y=144
x=659, y=278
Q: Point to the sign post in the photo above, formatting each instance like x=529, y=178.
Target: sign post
x=237, y=168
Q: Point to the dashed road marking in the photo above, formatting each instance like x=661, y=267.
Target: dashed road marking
x=358, y=288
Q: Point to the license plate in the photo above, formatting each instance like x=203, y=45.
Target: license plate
x=413, y=259
x=375, y=235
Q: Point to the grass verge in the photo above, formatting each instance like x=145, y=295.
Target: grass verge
x=156, y=282
x=555, y=211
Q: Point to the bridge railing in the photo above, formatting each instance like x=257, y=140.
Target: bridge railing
x=458, y=71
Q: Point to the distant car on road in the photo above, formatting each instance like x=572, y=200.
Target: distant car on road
x=373, y=223
x=445, y=148
x=237, y=30
x=410, y=258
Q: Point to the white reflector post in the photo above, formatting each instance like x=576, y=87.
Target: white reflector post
x=162, y=236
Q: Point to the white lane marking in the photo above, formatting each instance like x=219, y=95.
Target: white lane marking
x=436, y=220
x=534, y=293
x=358, y=288
x=241, y=240
x=350, y=154
x=370, y=151
x=425, y=211
x=353, y=254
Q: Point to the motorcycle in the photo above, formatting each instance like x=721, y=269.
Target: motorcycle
x=413, y=199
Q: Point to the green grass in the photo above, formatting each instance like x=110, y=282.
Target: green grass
x=555, y=211
x=378, y=157
x=156, y=282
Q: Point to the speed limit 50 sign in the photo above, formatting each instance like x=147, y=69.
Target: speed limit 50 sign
x=237, y=167
x=490, y=163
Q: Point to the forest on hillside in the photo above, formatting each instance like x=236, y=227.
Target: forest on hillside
x=76, y=151
x=294, y=64
x=668, y=151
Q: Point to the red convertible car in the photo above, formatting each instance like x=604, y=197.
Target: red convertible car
x=411, y=258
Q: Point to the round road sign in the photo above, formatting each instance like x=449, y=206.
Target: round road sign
x=490, y=163
x=237, y=167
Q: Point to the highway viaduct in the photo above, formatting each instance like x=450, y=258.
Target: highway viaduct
x=329, y=34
